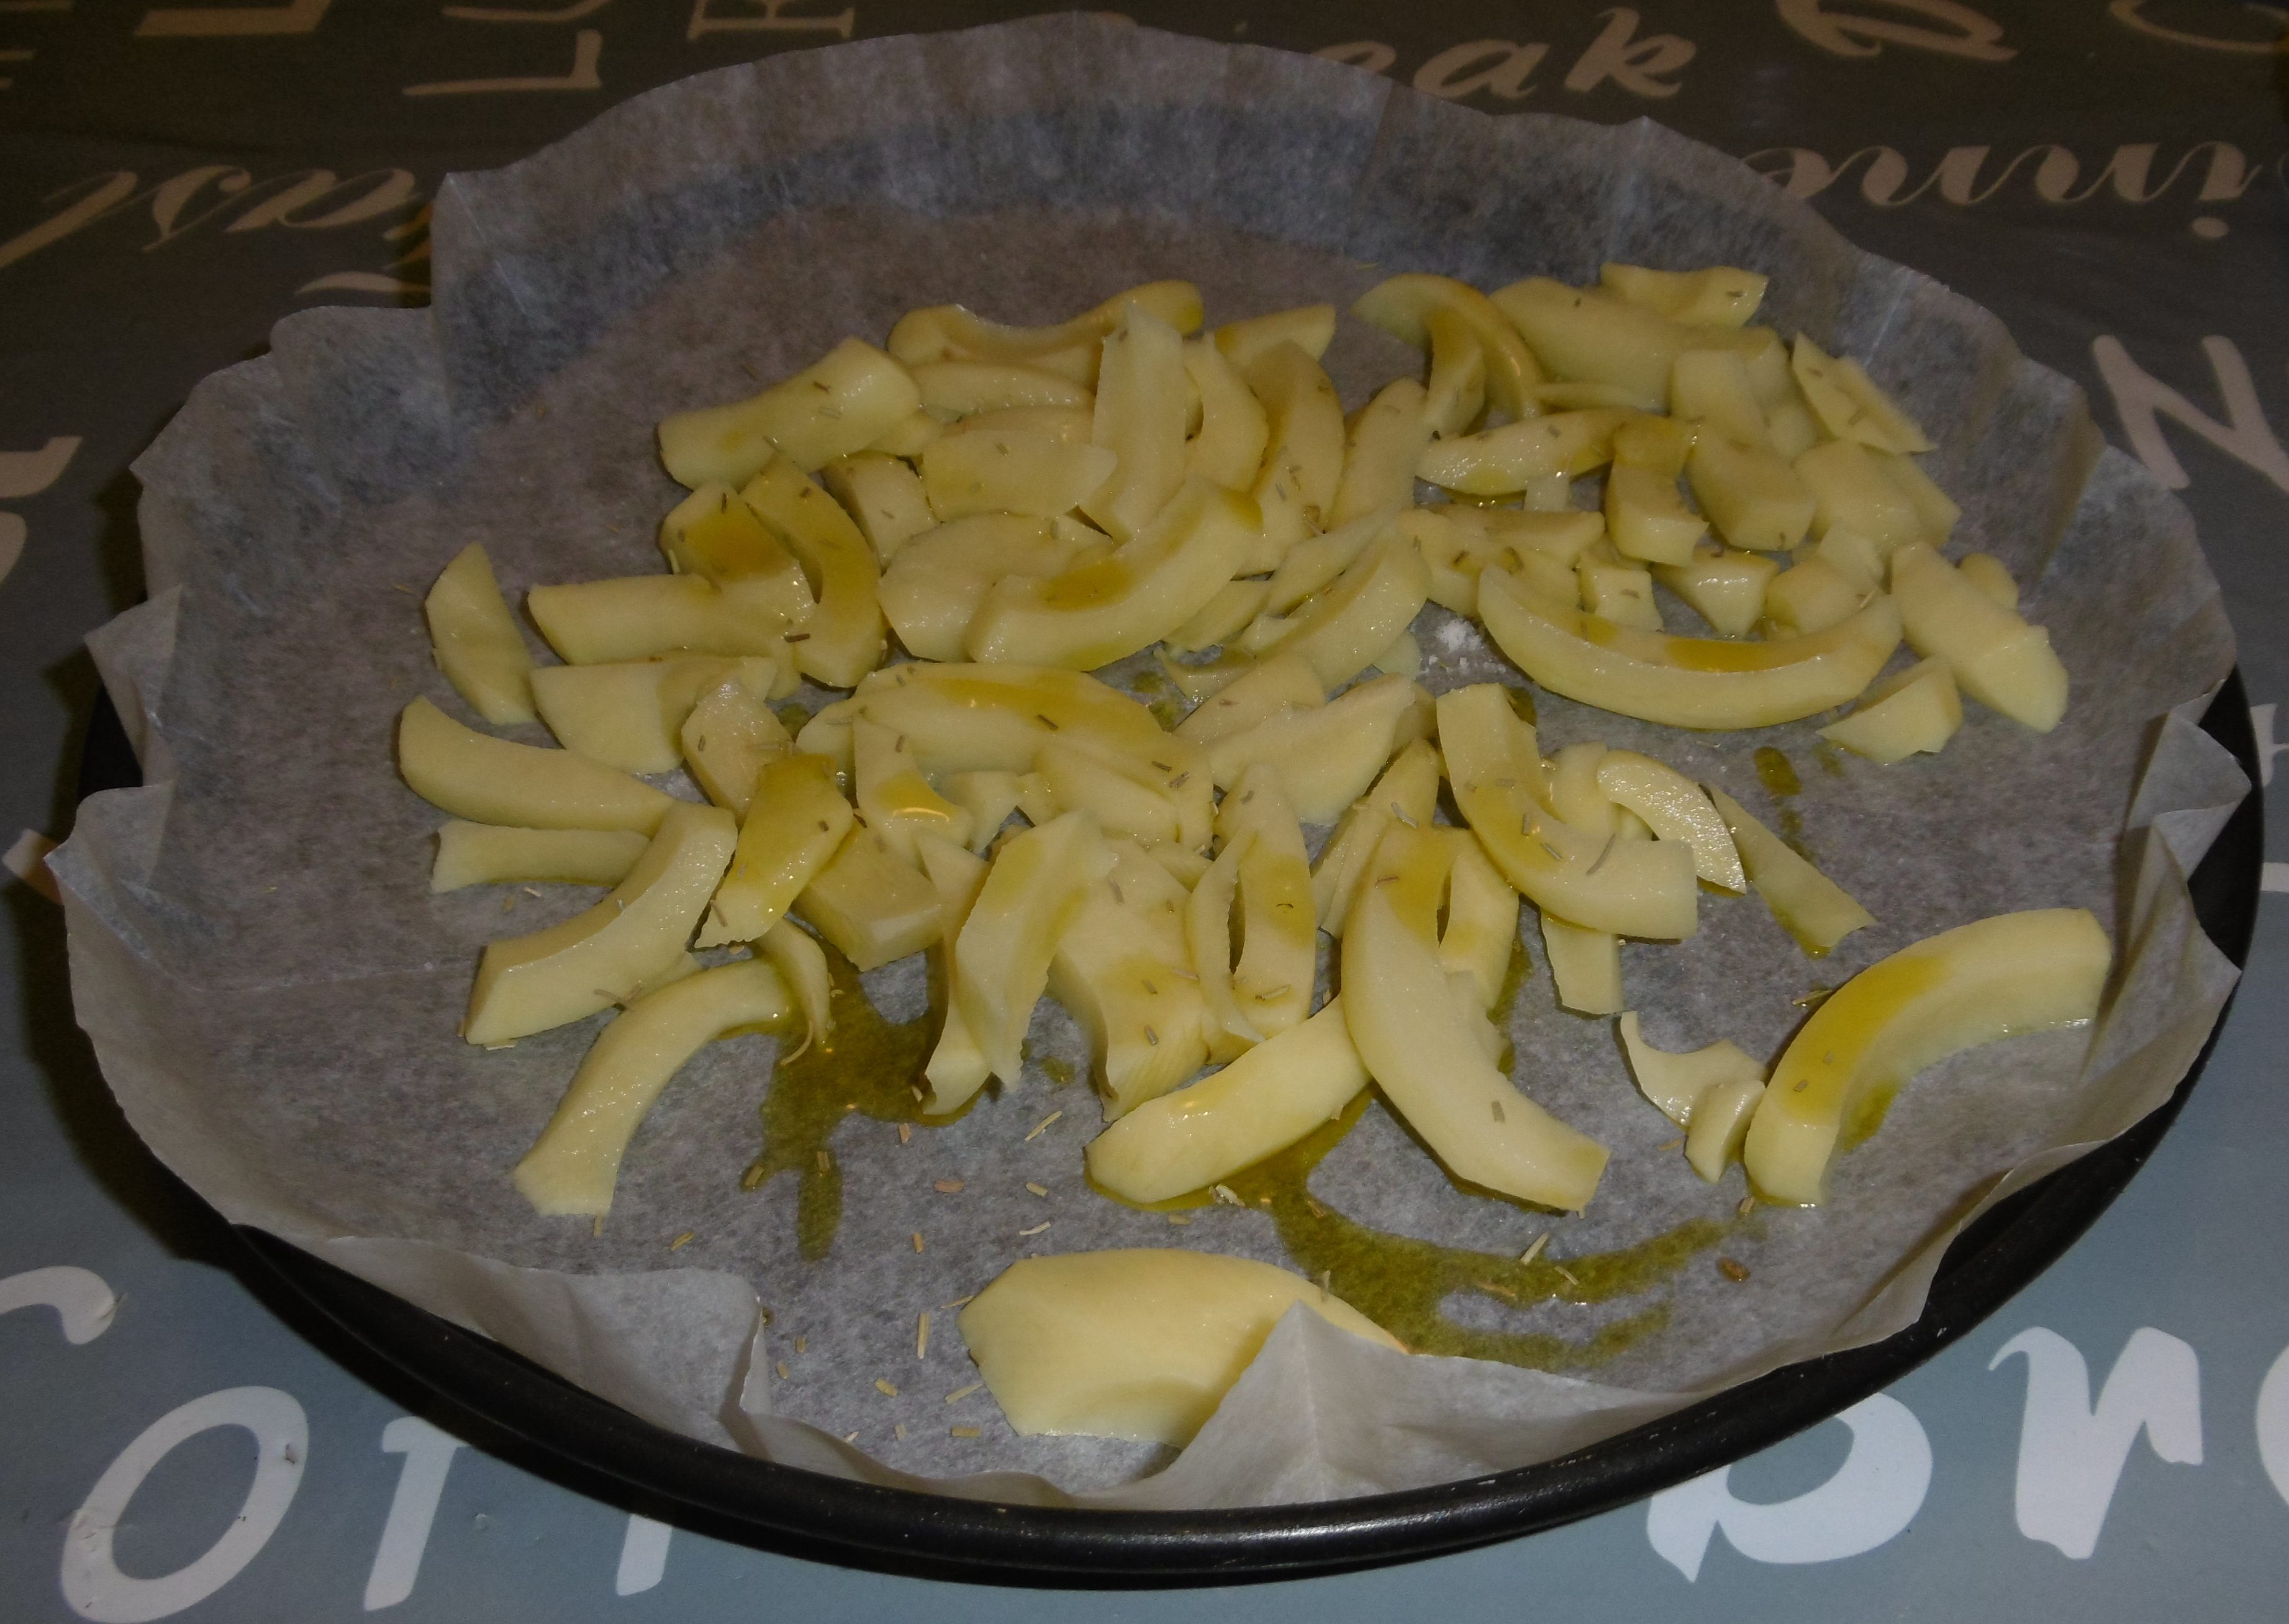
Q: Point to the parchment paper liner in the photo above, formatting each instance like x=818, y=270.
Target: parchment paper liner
x=271, y=990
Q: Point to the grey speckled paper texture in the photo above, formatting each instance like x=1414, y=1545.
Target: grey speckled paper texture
x=273, y=990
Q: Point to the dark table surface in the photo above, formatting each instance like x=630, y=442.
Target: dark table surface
x=2110, y=178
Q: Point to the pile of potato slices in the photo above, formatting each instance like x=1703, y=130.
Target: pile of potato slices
x=956, y=529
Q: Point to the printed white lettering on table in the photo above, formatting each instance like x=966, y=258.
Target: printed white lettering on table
x=26, y=473
x=17, y=53
x=587, y=51
x=1499, y=66
x=2140, y=399
x=407, y=279
x=1371, y=54
x=2130, y=11
x=91, y=1580
x=740, y=16
x=1961, y=176
x=1870, y=1500
x=1960, y=31
x=643, y=1555
x=297, y=200
x=573, y=13
x=210, y=22
x=413, y=1509
x=2260, y=722
x=2071, y=1455
x=2273, y=1423
x=83, y=1304
x=1634, y=64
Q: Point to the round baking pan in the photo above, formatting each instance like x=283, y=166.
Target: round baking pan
x=601, y=1449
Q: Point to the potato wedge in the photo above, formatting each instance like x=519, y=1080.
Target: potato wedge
x=1381, y=447
x=487, y=854
x=1996, y=658
x=2012, y=973
x=1724, y=586
x=643, y=616
x=575, y=1165
x=1304, y=452
x=1010, y=471
x=1272, y=981
x=932, y=590
x=1408, y=793
x=630, y=715
x=1675, y=808
x=489, y=780
x=1504, y=460
x=1809, y=905
x=477, y=641
x=1409, y=1031
x=1721, y=296
x=1585, y=966
x=612, y=952
x=1849, y=403
x=795, y=823
x=1402, y=305
x=1340, y=632
x=726, y=740
x=894, y=797
x=1326, y=755
x=871, y=902
x=1001, y=960
x=1133, y=1344
x=841, y=403
x=1257, y=1106
x=1229, y=447
x=1310, y=328
x=1677, y=1082
x=884, y=498
x=1686, y=681
x=841, y=639
x=1140, y=418
x=1919, y=709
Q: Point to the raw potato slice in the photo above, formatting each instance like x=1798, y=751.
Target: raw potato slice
x=1001, y=961
x=1678, y=1082
x=1133, y=1344
x=1632, y=888
x=1720, y=1126
x=1752, y=496
x=1122, y=801
x=1402, y=305
x=1340, y=633
x=1380, y=451
x=892, y=796
x=964, y=388
x=1411, y=1031
x=486, y=854
x=794, y=824
x=1272, y=982
x=489, y=780
x=1993, y=978
x=908, y=435
x=1264, y=1101
x=1917, y=709
x=572, y=1168
x=1229, y=447
x=840, y=641
x=957, y=1068
x=641, y=617
x=1408, y=793
x=841, y=403
x=1849, y=403
x=1100, y=612
x=1281, y=683
x=1403, y=658
x=988, y=797
x=1584, y=965
x=1310, y=328
x=1648, y=519
x=802, y=964
x=1312, y=563
x=1809, y=905
x=1575, y=793
x=1328, y=755
x=629, y=715
x=1481, y=918
x=1589, y=334
x=1721, y=296
x=1208, y=939
x=1227, y=615
x=1009, y=470
x=1713, y=387
x=1987, y=573
x=1810, y=597
x=727, y=740
x=884, y=498
x=1455, y=397
x=1851, y=555
x=1686, y=681
x=1503, y=461
x=1675, y=808
x=1065, y=424
x=1304, y=452
x=477, y=641
x=1724, y=587
x=715, y=535
x=609, y=954
x=931, y=592
x=1938, y=509
x=1997, y=658
x=1616, y=591
x=1120, y=970
x=871, y=904
x=948, y=332
x=1140, y=418
x=1850, y=489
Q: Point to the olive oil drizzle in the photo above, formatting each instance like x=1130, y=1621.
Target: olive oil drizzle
x=1402, y=1283
x=1778, y=776
x=867, y=1066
